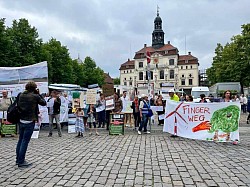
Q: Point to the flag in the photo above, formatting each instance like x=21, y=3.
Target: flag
x=148, y=57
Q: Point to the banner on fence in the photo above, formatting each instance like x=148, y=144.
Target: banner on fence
x=204, y=121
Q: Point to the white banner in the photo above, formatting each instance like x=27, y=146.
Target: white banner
x=14, y=79
x=204, y=121
x=64, y=110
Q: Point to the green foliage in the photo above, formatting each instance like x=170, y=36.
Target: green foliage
x=20, y=45
x=117, y=81
x=231, y=63
x=91, y=73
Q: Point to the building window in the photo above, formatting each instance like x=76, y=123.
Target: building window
x=171, y=74
x=186, y=61
x=171, y=62
x=127, y=71
x=191, y=67
x=130, y=71
x=125, y=83
x=190, y=81
x=124, y=71
x=124, y=78
x=186, y=67
x=141, y=76
x=162, y=74
x=183, y=82
x=183, y=75
x=130, y=83
x=166, y=52
x=140, y=64
x=151, y=75
x=190, y=75
x=181, y=67
x=130, y=78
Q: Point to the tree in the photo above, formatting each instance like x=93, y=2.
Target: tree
x=117, y=81
x=5, y=45
x=91, y=73
x=59, y=62
x=26, y=46
x=232, y=62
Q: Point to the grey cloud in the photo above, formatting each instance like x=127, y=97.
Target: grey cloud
x=112, y=31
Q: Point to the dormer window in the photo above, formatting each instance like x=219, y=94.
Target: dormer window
x=166, y=52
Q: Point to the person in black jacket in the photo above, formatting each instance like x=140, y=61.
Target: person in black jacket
x=28, y=102
x=54, y=103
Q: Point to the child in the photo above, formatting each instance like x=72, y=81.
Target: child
x=79, y=122
x=91, y=119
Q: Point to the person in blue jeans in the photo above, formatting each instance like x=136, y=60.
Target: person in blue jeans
x=144, y=108
x=28, y=107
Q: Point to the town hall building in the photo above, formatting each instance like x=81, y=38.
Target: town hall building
x=167, y=66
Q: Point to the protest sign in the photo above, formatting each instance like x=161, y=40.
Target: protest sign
x=203, y=121
x=91, y=97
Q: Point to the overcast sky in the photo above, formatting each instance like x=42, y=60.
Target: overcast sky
x=111, y=31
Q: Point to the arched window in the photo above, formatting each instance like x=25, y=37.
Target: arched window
x=171, y=74
x=171, y=62
x=140, y=75
x=162, y=74
x=140, y=64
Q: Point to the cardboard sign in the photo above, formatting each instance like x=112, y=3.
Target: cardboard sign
x=91, y=97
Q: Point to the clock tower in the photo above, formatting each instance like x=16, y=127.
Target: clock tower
x=158, y=34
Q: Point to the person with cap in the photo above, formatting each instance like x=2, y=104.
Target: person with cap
x=144, y=109
x=173, y=96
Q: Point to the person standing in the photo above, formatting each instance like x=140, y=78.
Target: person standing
x=248, y=109
x=5, y=102
x=203, y=99
x=125, y=101
x=54, y=103
x=101, y=111
x=244, y=104
x=91, y=119
x=173, y=96
x=144, y=108
x=159, y=102
x=136, y=112
x=227, y=96
x=79, y=122
x=28, y=106
x=118, y=103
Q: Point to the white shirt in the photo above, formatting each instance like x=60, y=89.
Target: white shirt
x=124, y=103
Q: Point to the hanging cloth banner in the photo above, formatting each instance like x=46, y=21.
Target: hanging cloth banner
x=203, y=121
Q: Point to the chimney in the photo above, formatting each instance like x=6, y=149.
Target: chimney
x=189, y=53
x=145, y=45
x=168, y=42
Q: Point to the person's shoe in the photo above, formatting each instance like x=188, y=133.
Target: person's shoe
x=81, y=135
x=90, y=133
x=78, y=136
x=50, y=135
x=173, y=136
x=59, y=135
x=97, y=134
x=147, y=132
x=139, y=132
x=24, y=165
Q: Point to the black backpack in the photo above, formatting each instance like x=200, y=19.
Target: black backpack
x=13, y=114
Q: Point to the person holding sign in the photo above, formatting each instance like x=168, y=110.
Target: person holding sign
x=118, y=103
x=144, y=111
x=100, y=109
x=159, y=102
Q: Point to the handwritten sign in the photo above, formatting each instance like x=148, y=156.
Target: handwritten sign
x=91, y=97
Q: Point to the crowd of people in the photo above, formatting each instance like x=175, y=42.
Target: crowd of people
x=93, y=116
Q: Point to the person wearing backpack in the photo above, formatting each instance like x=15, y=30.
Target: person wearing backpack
x=27, y=104
x=54, y=104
